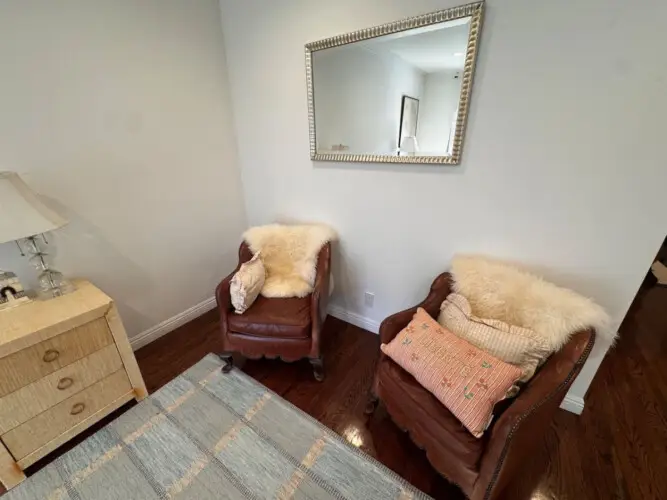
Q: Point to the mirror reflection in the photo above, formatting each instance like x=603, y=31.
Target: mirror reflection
x=394, y=95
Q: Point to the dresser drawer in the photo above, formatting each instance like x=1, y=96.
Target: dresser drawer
x=50, y=424
x=31, y=400
x=31, y=364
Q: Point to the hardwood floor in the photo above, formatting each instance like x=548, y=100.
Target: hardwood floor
x=618, y=447
x=616, y=450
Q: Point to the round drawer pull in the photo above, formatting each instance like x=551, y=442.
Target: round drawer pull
x=65, y=383
x=51, y=355
x=77, y=408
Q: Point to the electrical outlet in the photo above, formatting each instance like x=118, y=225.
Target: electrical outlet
x=369, y=298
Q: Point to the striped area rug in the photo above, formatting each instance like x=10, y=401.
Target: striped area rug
x=211, y=435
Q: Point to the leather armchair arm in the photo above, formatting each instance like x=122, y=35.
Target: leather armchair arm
x=319, y=299
x=224, y=299
x=521, y=427
x=391, y=326
x=222, y=295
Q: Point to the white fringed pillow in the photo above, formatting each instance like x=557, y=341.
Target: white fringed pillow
x=513, y=344
x=500, y=291
x=247, y=283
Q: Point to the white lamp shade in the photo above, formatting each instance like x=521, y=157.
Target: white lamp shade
x=22, y=214
x=409, y=144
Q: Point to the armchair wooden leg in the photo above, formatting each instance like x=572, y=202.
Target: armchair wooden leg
x=372, y=404
x=229, y=361
x=318, y=368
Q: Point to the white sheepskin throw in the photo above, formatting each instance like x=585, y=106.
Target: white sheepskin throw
x=500, y=291
x=289, y=254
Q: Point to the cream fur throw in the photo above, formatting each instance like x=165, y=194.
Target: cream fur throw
x=289, y=254
x=500, y=291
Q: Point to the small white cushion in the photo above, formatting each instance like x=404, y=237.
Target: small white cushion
x=247, y=283
x=519, y=346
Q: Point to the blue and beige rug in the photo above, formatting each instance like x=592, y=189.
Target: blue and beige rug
x=209, y=435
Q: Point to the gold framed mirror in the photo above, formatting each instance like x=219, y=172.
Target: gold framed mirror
x=395, y=93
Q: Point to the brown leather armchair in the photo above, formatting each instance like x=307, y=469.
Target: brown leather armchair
x=289, y=328
x=481, y=467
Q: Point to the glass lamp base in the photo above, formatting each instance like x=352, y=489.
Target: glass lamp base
x=53, y=284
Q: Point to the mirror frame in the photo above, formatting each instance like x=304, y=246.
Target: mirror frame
x=472, y=10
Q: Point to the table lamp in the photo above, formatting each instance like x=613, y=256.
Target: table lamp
x=24, y=219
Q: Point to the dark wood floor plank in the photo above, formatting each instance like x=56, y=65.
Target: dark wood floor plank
x=617, y=449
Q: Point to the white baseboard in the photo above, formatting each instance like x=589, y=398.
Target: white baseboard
x=573, y=404
x=170, y=324
x=157, y=331
x=354, y=318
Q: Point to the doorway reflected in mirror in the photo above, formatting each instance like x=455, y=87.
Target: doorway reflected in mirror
x=407, y=136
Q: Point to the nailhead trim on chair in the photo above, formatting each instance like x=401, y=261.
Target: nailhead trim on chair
x=503, y=455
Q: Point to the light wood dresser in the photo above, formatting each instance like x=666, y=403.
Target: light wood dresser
x=65, y=363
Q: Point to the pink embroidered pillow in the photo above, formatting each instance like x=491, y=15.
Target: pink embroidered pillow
x=467, y=380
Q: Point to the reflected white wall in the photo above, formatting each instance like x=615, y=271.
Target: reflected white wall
x=358, y=97
x=437, y=111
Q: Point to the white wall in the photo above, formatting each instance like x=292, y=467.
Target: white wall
x=358, y=96
x=437, y=111
x=117, y=111
x=563, y=161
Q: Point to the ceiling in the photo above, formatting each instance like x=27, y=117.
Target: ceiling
x=432, y=49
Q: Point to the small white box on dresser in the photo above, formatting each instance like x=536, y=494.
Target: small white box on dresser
x=65, y=363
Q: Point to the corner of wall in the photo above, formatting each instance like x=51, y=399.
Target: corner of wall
x=152, y=334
